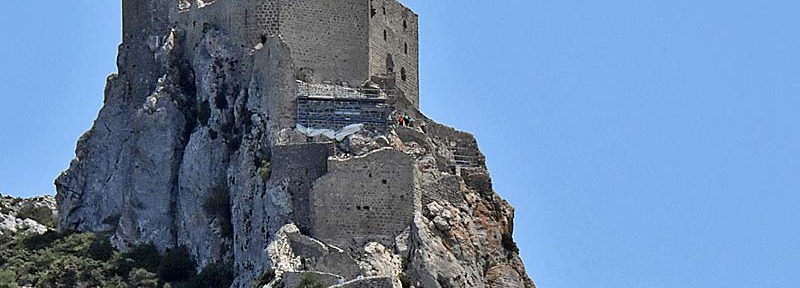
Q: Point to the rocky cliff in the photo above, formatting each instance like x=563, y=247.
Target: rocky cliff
x=197, y=146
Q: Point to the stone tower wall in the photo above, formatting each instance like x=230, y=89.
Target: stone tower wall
x=330, y=37
x=400, y=26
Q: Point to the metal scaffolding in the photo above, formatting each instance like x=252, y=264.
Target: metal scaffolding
x=326, y=106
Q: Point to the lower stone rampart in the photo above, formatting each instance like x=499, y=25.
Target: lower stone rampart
x=364, y=198
x=300, y=165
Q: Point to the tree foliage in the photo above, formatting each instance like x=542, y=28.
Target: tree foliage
x=65, y=259
x=41, y=214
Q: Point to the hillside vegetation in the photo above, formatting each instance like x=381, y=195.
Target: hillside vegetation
x=43, y=257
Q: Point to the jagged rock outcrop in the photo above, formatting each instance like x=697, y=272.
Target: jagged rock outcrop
x=196, y=146
x=22, y=216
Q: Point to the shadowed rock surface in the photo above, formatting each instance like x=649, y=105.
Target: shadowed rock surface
x=249, y=134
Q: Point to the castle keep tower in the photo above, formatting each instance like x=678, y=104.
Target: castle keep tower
x=342, y=41
x=348, y=40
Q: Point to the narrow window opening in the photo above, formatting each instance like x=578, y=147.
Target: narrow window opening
x=389, y=64
x=384, y=10
x=385, y=35
x=405, y=24
x=403, y=74
x=405, y=48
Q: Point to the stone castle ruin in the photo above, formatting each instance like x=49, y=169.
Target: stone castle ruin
x=344, y=42
x=265, y=134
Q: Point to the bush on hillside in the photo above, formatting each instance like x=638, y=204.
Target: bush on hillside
x=37, y=242
x=144, y=256
x=213, y=276
x=141, y=278
x=40, y=214
x=177, y=265
x=101, y=248
x=309, y=282
x=88, y=260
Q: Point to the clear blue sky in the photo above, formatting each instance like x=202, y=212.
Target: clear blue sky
x=643, y=143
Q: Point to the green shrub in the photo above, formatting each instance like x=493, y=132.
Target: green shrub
x=37, y=242
x=405, y=281
x=143, y=256
x=309, y=282
x=101, y=248
x=55, y=260
x=217, y=275
x=122, y=266
x=40, y=214
x=177, y=265
x=8, y=279
x=265, y=170
x=141, y=278
x=65, y=276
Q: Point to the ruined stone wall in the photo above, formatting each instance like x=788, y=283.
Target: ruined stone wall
x=299, y=165
x=394, y=30
x=233, y=17
x=364, y=198
x=462, y=146
x=250, y=20
x=275, y=84
x=144, y=27
x=447, y=189
x=329, y=37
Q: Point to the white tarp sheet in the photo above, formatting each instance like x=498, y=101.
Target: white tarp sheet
x=330, y=134
x=348, y=130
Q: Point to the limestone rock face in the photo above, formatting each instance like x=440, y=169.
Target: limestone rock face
x=26, y=216
x=196, y=146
